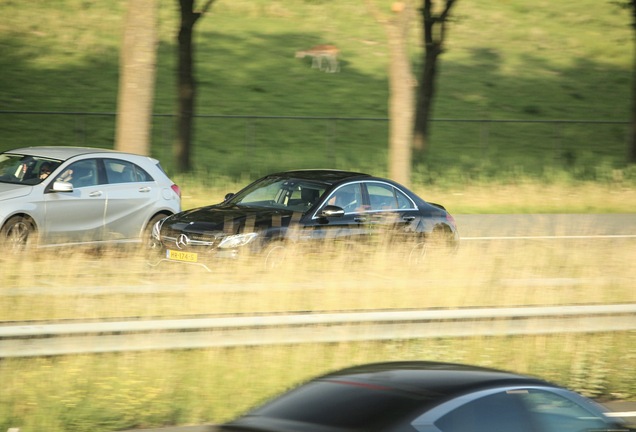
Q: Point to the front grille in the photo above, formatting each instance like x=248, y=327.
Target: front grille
x=173, y=239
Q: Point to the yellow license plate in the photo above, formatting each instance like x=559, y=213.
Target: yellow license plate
x=181, y=256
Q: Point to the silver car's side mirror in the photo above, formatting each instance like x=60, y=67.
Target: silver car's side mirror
x=331, y=211
x=62, y=186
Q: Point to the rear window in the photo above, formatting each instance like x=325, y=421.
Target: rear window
x=338, y=404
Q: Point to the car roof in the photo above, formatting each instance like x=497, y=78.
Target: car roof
x=322, y=175
x=60, y=152
x=428, y=378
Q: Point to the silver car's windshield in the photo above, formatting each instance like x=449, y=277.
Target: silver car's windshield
x=275, y=192
x=25, y=169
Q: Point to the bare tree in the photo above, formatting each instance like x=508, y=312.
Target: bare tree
x=186, y=83
x=433, y=35
x=401, y=87
x=137, y=66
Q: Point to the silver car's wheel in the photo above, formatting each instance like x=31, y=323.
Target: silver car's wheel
x=148, y=241
x=17, y=234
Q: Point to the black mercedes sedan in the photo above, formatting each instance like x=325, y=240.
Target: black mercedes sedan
x=426, y=397
x=299, y=207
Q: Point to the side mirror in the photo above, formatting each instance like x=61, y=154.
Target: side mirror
x=228, y=196
x=331, y=211
x=62, y=186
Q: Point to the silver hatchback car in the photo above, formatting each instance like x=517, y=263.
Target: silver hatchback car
x=73, y=195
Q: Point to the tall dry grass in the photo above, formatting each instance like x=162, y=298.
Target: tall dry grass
x=482, y=273
x=108, y=392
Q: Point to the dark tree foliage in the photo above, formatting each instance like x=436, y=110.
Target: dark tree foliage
x=433, y=34
x=186, y=83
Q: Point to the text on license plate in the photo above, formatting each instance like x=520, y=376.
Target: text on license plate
x=181, y=256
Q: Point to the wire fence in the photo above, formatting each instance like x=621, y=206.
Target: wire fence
x=239, y=144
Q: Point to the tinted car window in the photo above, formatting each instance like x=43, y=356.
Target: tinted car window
x=119, y=171
x=141, y=175
x=80, y=174
x=498, y=412
x=381, y=196
x=349, y=197
x=340, y=405
x=386, y=197
x=555, y=413
x=403, y=201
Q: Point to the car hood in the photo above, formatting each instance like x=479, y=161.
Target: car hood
x=9, y=191
x=214, y=218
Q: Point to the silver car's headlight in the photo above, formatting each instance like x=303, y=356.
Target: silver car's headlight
x=237, y=240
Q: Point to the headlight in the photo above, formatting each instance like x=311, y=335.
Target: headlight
x=237, y=240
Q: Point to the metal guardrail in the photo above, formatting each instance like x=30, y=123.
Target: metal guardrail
x=102, y=337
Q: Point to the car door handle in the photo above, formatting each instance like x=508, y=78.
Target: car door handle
x=408, y=218
x=95, y=194
x=145, y=189
x=360, y=219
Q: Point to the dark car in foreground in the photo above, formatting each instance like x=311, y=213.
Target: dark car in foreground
x=297, y=207
x=61, y=195
x=427, y=397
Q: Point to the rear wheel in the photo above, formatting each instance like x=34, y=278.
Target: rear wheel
x=150, y=247
x=438, y=241
x=18, y=234
x=417, y=254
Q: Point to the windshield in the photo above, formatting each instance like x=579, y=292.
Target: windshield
x=25, y=169
x=276, y=192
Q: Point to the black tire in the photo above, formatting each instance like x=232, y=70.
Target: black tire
x=439, y=241
x=417, y=254
x=18, y=234
x=275, y=255
x=148, y=243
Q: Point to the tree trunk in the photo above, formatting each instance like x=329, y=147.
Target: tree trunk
x=434, y=27
x=137, y=77
x=401, y=92
x=632, y=147
x=401, y=100
x=186, y=87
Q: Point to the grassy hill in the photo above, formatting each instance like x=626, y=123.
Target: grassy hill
x=506, y=60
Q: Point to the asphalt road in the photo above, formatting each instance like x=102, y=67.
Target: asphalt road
x=553, y=225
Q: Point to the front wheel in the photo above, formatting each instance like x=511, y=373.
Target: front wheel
x=275, y=255
x=18, y=234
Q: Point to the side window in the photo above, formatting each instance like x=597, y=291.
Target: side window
x=555, y=413
x=381, y=196
x=80, y=174
x=349, y=197
x=120, y=171
x=497, y=412
x=141, y=175
x=403, y=201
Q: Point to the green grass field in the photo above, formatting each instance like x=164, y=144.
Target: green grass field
x=569, y=60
